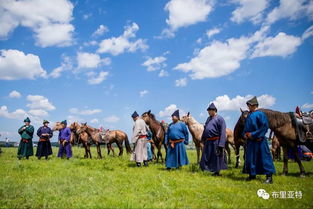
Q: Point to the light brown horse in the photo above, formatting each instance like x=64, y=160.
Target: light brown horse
x=282, y=126
x=196, y=130
x=118, y=137
x=158, y=134
x=82, y=137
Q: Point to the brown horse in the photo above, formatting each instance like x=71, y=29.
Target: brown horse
x=118, y=137
x=238, y=138
x=94, y=134
x=196, y=130
x=82, y=137
x=282, y=126
x=158, y=133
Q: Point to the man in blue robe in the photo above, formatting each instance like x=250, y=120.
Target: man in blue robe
x=44, y=146
x=176, y=136
x=64, y=140
x=214, y=137
x=258, y=158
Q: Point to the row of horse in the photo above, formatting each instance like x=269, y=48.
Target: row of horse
x=280, y=123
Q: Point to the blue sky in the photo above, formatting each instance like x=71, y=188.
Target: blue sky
x=98, y=61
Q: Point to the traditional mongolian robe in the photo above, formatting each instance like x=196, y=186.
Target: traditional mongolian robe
x=176, y=136
x=25, y=148
x=214, y=137
x=258, y=157
x=139, y=138
x=44, y=145
x=65, y=135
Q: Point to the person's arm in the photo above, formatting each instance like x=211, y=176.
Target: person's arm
x=166, y=138
x=262, y=125
x=136, y=132
x=30, y=130
x=203, y=135
x=186, y=134
x=222, y=127
x=21, y=130
x=68, y=135
x=50, y=133
x=39, y=132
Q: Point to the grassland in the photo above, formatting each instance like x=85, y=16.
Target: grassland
x=114, y=182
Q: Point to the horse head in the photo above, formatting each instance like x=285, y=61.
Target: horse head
x=146, y=116
x=81, y=128
x=244, y=115
x=57, y=126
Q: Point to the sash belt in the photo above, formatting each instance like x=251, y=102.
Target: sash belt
x=175, y=142
x=213, y=138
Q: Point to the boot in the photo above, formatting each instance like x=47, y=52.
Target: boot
x=145, y=163
x=27, y=158
x=216, y=174
x=46, y=157
x=269, y=179
x=251, y=177
x=138, y=164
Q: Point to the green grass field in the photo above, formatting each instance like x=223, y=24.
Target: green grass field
x=114, y=182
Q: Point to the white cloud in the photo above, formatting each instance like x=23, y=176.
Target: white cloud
x=156, y=63
x=100, y=31
x=280, y=45
x=308, y=32
x=217, y=59
x=249, y=10
x=72, y=119
x=181, y=82
x=95, y=79
x=291, y=9
x=183, y=13
x=17, y=114
x=163, y=73
x=111, y=119
x=50, y=20
x=169, y=110
x=84, y=112
x=15, y=94
x=123, y=43
x=94, y=121
x=65, y=65
x=91, y=43
x=38, y=112
x=143, y=93
x=90, y=60
x=226, y=103
x=15, y=65
x=213, y=32
x=307, y=106
x=87, y=16
x=39, y=102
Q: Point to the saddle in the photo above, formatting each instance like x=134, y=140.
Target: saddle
x=304, y=126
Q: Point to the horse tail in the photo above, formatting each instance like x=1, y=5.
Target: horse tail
x=128, y=149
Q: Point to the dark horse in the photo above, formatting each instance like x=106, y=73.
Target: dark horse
x=158, y=133
x=282, y=126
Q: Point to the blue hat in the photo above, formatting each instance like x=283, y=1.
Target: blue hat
x=27, y=120
x=176, y=113
x=135, y=114
x=64, y=122
x=212, y=107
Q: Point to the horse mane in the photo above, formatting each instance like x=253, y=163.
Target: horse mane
x=276, y=118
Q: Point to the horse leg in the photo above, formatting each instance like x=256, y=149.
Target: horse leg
x=228, y=152
x=198, y=153
x=99, y=150
x=109, y=149
x=88, y=150
x=120, y=146
x=285, y=169
x=237, y=150
x=297, y=159
x=153, y=151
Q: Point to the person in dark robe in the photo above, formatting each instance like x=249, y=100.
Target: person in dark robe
x=44, y=146
x=25, y=148
x=64, y=140
x=214, y=138
x=176, y=138
x=258, y=156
